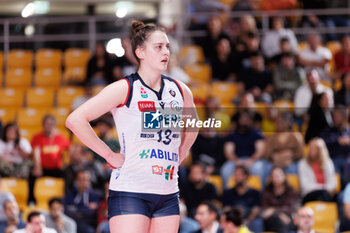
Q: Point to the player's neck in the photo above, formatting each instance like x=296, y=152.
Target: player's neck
x=151, y=77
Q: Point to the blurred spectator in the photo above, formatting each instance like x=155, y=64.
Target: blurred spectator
x=48, y=147
x=342, y=97
x=304, y=220
x=278, y=201
x=271, y=5
x=125, y=64
x=320, y=116
x=36, y=224
x=13, y=219
x=222, y=60
x=187, y=224
x=215, y=33
x=257, y=79
x=284, y=148
x=81, y=203
x=345, y=220
x=81, y=159
x=15, y=153
x=316, y=56
x=99, y=68
x=79, y=100
x=175, y=71
x=197, y=189
x=4, y=196
x=287, y=77
x=232, y=221
x=247, y=103
x=342, y=58
x=337, y=138
x=207, y=216
x=316, y=173
x=203, y=6
x=104, y=126
x=245, y=146
x=246, y=198
x=285, y=47
x=247, y=24
x=245, y=5
x=303, y=95
x=273, y=37
x=249, y=44
x=56, y=218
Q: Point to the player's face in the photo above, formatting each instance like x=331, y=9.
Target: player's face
x=155, y=52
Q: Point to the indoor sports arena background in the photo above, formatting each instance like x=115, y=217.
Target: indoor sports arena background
x=276, y=74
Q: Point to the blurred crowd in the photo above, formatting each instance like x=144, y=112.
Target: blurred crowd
x=258, y=174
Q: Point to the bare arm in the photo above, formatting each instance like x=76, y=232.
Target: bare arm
x=188, y=135
x=229, y=151
x=259, y=149
x=78, y=121
x=347, y=210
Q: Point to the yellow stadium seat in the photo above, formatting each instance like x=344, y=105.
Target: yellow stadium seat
x=46, y=188
x=228, y=3
x=325, y=216
x=338, y=180
x=224, y=91
x=293, y=181
x=48, y=58
x=11, y=98
x=76, y=74
x=30, y=117
x=334, y=46
x=18, y=77
x=76, y=57
x=7, y=115
x=18, y=187
x=60, y=115
x=199, y=72
x=66, y=95
x=284, y=106
x=191, y=54
x=47, y=77
x=302, y=45
x=254, y=181
x=200, y=91
x=217, y=182
x=19, y=58
x=28, y=132
x=40, y=98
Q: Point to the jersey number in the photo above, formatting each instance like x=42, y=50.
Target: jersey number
x=167, y=134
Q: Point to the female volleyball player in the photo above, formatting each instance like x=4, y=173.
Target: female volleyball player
x=143, y=192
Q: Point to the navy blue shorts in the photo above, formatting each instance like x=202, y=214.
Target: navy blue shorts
x=150, y=205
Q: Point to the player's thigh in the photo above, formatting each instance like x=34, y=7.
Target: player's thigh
x=165, y=224
x=135, y=223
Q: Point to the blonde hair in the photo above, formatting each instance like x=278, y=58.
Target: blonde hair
x=322, y=152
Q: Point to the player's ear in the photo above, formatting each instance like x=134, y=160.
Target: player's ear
x=140, y=53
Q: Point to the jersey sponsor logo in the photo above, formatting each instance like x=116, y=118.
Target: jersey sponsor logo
x=175, y=106
x=146, y=106
x=172, y=92
x=159, y=154
x=169, y=172
x=147, y=135
x=143, y=92
x=158, y=170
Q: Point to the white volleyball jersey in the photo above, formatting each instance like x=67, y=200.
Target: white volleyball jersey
x=151, y=150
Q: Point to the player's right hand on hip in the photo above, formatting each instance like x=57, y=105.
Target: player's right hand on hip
x=115, y=160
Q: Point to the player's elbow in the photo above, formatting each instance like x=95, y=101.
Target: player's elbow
x=71, y=121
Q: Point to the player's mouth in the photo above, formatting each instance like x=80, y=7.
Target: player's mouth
x=165, y=60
